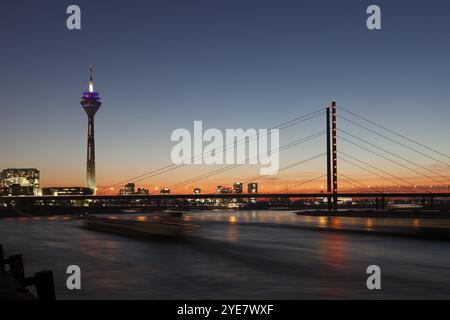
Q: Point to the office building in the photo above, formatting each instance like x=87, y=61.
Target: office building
x=165, y=191
x=128, y=189
x=142, y=191
x=252, y=188
x=237, y=187
x=67, y=191
x=20, y=181
x=222, y=189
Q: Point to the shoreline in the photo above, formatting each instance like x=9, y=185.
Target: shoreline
x=381, y=214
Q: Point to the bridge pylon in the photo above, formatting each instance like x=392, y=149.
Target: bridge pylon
x=328, y=130
x=332, y=175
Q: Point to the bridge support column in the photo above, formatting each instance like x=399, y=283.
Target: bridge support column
x=23, y=207
x=328, y=129
x=334, y=156
x=379, y=203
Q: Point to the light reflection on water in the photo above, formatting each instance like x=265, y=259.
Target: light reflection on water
x=243, y=254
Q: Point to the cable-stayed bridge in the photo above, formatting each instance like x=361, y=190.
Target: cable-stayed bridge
x=338, y=141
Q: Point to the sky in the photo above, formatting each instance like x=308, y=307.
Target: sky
x=161, y=65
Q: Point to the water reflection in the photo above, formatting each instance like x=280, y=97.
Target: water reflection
x=369, y=224
x=233, y=233
x=323, y=222
x=232, y=219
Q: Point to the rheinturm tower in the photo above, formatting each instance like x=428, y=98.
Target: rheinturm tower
x=91, y=103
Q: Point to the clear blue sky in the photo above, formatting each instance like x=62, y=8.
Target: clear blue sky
x=160, y=65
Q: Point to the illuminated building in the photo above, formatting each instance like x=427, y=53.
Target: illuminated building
x=129, y=189
x=142, y=191
x=67, y=191
x=17, y=190
x=91, y=103
x=20, y=181
x=165, y=191
x=252, y=188
x=197, y=191
x=222, y=189
x=237, y=187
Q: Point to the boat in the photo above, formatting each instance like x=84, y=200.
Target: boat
x=152, y=227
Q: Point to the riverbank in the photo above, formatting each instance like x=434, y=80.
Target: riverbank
x=385, y=214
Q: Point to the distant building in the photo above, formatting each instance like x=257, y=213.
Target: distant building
x=20, y=181
x=142, y=191
x=222, y=189
x=237, y=187
x=165, y=191
x=252, y=188
x=67, y=191
x=197, y=191
x=129, y=189
x=18, y=190
x=341, y=200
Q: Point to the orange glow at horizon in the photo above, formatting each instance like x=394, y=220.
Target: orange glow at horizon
x=359, y=184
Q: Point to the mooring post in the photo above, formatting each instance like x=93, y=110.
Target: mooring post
x=16, y=267
x=45, y=286
x=2, y=260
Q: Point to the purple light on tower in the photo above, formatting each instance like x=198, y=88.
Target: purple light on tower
x=91, y=103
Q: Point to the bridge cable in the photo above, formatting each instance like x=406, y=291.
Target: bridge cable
x=235, y=166
x=394, y=132
x=286, y=168
x=374, y=173
x=395, y=155
x=374, y=167
x=305, y=182
x=287, y=146
x=349, y=182
x=167, y=168
x=352, y=180
x=392, y=140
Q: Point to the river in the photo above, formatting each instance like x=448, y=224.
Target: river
x=233, y=255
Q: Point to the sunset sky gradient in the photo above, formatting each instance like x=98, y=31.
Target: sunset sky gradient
x=160, y=65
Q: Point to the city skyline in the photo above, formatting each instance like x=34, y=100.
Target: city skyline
x=161, y=79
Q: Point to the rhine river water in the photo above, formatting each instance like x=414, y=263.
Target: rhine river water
x=233, y=255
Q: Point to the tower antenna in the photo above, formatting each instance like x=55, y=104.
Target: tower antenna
x=91, y=81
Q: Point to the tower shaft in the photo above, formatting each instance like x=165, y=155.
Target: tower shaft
x=90, y=165
x=91, y=103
